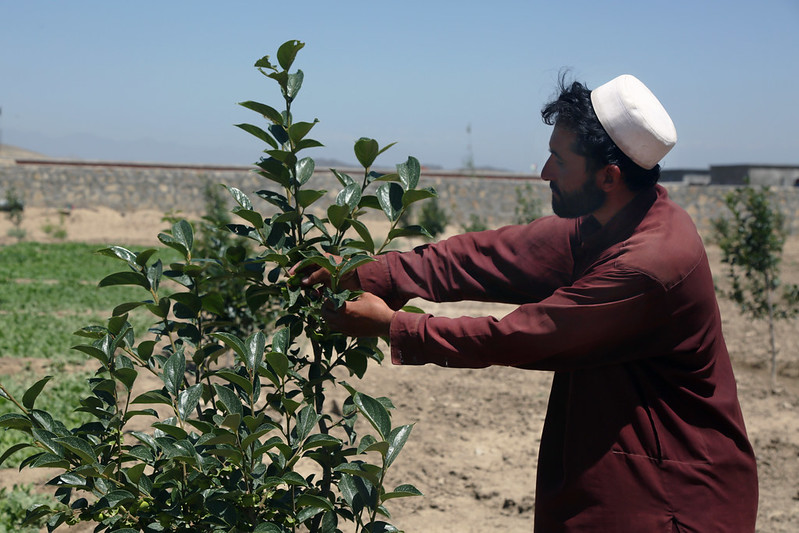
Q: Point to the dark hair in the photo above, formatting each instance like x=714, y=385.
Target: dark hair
x=573, y=110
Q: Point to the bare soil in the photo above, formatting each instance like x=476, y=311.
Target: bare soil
x=475, y=440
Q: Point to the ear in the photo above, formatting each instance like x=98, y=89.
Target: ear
x=608, y=178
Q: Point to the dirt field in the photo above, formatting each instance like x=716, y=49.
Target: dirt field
x=473, y=448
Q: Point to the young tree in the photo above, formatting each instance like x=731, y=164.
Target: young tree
x=751, y=243
x=250, y=441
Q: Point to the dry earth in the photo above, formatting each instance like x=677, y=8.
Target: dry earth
x=474, y=444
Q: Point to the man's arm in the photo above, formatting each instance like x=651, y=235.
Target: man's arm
x=599, y=320
x=513, y=264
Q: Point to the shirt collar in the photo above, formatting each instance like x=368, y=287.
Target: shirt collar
x=597, y=237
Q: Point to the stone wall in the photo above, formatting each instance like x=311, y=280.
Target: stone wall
x=490, y=195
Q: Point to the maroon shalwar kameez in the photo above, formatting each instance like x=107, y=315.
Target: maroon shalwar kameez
x=643, y=431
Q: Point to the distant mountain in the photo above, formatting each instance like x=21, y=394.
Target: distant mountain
x=13, y=152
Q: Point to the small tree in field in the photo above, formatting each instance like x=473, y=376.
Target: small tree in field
x=244, y=438
x=751, y=245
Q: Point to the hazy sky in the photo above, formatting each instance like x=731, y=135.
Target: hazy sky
x=160, y=80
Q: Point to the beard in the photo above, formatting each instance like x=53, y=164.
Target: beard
x=579, y=203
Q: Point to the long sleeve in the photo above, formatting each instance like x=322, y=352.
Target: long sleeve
x=576, y=327
x=514, y=264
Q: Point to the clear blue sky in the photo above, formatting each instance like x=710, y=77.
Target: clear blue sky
x=160, y=80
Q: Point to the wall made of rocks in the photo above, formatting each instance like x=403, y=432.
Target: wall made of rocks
x=491, y=196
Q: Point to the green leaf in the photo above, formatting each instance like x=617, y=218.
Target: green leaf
x=275, y=198
x=268, y=112
x=259, y=133
x=281, y=135
x=293, y=85
x=229, y=400
x=144, y=256
x=349, y=196
x=274, y=170
x=79, y=447
x=174, y=372
x=29, y=398
x=304, y=170
x=252, y=437
x=279, y=363
x=171, y=430
x=370, y=201
x=118, y=252
x=409, y=173
x=408, y=231
x=265, y=63
x=125, y=278
x=306, y=420
x=366, y=150
x=307, y=143
x=364, y=233
x=293, y=478
x=288, y=52
x=242, y=199
x=239, y=380
x=370, y=473
x=319, y=440
x=13, y=449
x=152, y=397
x=183, y=233
x=375, y=413
x=281, y=340
x=299, y=130
x=119, y=496
x=307, y=197
x=389, y=195
x=126, y=376
x=344, y=179
x=314, y=501
x=338, y=214
x=415, y=195
x=121, y=309
x=268, y=527
x=232, y=421
x=354, y=262
x=255, y=351
x=396, y=440
x=232, y=341
x=189, y=299
x=188, y=400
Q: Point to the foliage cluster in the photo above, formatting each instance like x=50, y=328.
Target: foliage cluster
x=751, y=243
x=528, y=206
x=14, y=208
x=242, y=436
x=60, y=400
x=14, y=503
x=433, y=218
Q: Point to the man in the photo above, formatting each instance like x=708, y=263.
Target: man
x=643, y=431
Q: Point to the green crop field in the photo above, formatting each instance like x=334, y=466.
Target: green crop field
x=47, y=292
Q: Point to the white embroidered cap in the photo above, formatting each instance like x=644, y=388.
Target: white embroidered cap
x=634, y=119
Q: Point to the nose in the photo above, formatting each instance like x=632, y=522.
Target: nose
x=546, y=172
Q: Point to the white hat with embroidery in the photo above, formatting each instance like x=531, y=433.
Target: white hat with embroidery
x=634, y=119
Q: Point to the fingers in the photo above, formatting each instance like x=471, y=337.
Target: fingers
x=368, y=316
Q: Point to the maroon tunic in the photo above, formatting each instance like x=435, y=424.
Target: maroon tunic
x=643, y=431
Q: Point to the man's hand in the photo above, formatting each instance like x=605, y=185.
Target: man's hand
x=368, y=316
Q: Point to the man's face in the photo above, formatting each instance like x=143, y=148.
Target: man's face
x=574, y=191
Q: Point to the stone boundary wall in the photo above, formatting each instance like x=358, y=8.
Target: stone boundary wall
x=129, y=186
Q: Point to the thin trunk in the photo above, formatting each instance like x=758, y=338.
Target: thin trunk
x=771, y=335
